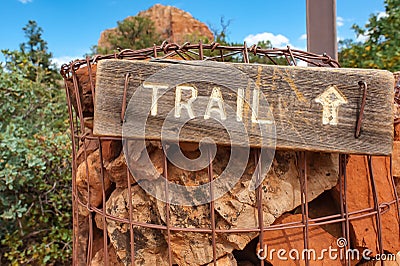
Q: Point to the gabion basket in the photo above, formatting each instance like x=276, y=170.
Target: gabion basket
x=116, y=222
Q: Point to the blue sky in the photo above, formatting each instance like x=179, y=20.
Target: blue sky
x=72, y=27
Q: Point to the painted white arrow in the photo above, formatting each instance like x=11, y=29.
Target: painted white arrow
x=330, y=100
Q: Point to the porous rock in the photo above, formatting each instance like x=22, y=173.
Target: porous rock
x=292, y=242
x=359, y=196
x=227, y=260
x=396, y=158
x=150, y=247
x=237, y=208
x=110, y=149
x=84, y=90
x=81, y=230
x=117, y=170
x=112, y=258
x=89, y=176
x=86, y=147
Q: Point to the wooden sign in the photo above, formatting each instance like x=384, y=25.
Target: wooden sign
x=297, y=108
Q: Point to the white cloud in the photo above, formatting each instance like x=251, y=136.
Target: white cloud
x=59, y=61
x=362, y=38
x=25, y=1
x=339, y=21
x=303, y=37
x=382, y=14
x=302, y=63
x=277, y=41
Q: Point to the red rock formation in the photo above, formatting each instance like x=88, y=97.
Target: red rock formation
x=85, y=90
x=89, y=175
x=175, y=24
x=291, y=241
x=171, y=23
x=396, y=159
x=359, y=195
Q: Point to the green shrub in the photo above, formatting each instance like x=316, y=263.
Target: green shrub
x=35, y=178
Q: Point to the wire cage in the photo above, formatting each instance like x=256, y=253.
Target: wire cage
x=115, y=222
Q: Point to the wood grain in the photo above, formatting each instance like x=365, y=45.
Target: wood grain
x=313, y=109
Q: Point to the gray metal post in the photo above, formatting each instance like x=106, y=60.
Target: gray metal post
x=321, y=27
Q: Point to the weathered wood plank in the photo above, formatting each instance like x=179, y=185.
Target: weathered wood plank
x=312, y=109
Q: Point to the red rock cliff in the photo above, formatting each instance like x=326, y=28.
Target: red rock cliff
x=173, y=24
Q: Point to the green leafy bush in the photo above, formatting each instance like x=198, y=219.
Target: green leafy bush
x=133, y=33
x=35, y=178
x=381, y=45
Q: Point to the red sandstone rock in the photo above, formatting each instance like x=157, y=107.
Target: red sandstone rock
x=88, y=122
x=137, y=161
x=171, y=23
x=325, y=206
x=188, y=146
x=397, y=184
x=81, y=230
x=397, y=132
x=394, y=260
x=237, y=208
x=396, y=158
x=227, y=260
x=117, y=172
x=359, y=196
x=176, y=25
x=291, y=240
x=150, y=246
x=85, y=91
x=110, y=149
x=98, y=220
x=98, y=240
x=92, y=179
x=98, y=259
x=88, y=147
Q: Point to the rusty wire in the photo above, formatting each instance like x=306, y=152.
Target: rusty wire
x=214, y=52
x=363, y=87
x=189, y=51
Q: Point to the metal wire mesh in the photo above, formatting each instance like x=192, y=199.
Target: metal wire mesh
x=90, y=219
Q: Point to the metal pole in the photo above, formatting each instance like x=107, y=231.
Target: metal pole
x=321, y=27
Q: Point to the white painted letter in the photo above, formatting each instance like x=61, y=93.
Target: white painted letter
x=188, y=105
x=216, y=96
x=239, y=104
x=155, y=87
